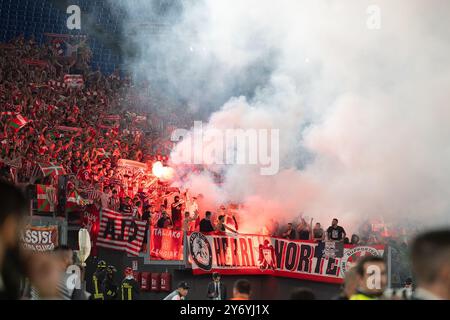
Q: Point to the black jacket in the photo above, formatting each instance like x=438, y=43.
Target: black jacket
x=97, y=285
x=212, y=291
x=129, y=290
x=206, y=226
x=110, y=289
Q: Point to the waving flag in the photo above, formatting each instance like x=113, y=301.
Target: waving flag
x=112, y=117
x=31, y=169
x=18, y=122
x=35, y=62
x=55, y=135
x=120, y=232
x=132, y=164
x=56, y=84
x=93, y=194
x=69, y=129
x=72, y=202
x=74, y=80
x=46, y=197
x=51, y=168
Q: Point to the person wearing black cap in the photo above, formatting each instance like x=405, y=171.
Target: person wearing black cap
x=180, y=293
x=216, y=289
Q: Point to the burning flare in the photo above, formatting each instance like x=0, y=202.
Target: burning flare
x=162, y=172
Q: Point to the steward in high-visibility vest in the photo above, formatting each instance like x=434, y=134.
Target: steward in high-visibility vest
x=363, y=296
x=97, y=281
x=129, y=289
x=372, y=278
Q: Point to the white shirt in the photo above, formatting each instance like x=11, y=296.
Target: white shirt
x=176, y=297
x=217, y=287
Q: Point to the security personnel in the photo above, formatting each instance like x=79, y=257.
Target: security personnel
x=109, y=284
x=129, y=288
x=97, y=280
x=372, y=278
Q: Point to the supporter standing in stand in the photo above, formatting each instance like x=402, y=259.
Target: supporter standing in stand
x=164, y=221
x=206, y=225
x=303, y=230
x=114, y=201
x=187, y=221
x=335, y=232
x=221, y=226
x=147, y=217
x=289, y=233
x=105, y=196
x=177, y=207
x=125, y=207
x=318, y=233
x=136, y=209
x=192, y=208
x=354, y=239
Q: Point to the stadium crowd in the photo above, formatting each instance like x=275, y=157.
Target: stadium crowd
x=94, y=132
x=52, y=128
x=59, y=117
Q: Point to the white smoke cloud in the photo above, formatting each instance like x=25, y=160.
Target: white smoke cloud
x=363, y=114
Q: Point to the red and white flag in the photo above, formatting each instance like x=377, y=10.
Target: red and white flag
x=92, y=193
x=74, y=80
x=69, y=129
x=121, y=232
x=58, y=46
x=56, y=84
x=18, y=122
x=51, y=168
x=46, y=198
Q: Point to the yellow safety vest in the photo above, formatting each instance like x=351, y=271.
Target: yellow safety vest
x=97, y=295
x=129, y=288
x=360, y=296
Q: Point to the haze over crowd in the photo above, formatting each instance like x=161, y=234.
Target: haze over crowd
x=362, y=112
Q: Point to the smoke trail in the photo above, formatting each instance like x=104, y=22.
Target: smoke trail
x=362, y=112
